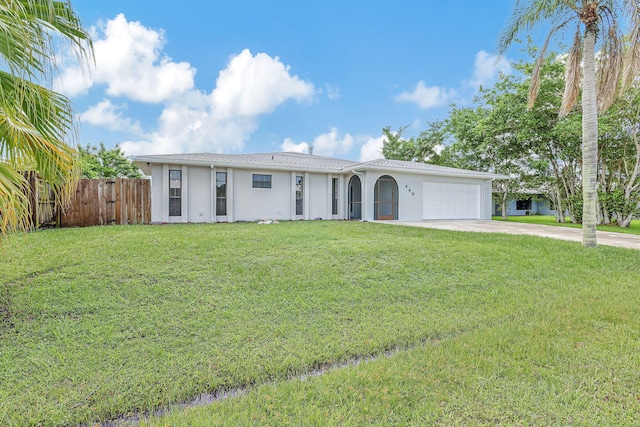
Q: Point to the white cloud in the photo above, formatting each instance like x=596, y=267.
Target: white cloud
x=372, y=149
x=487, y=68
x=332, y=142
x=254, y=85
x=427, y=97
x=110, y=116
x=326, y=144
x=333, y=92
x=184, y=127
x=73, y=81
x=130, y=62
x=290, y=145
x=223, y=120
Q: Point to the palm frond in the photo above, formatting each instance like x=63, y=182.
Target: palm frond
x=631, y=62
x=14, y=204
x=573, y=75
x=528, y=13
x=27, y=149
x=27, y=30
x=59, y=17
x=610, y=68
x=35, y=122
x=534, y=86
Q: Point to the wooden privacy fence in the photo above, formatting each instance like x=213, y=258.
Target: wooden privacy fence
x=41, y=199
x=109, y=201
x=95, y=202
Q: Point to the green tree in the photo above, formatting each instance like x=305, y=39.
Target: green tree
x=103, y=163
x=423, y=148
x=553, y=141
x=619, y=149
x=34, y=120
x=620, y=61
x=487, y=137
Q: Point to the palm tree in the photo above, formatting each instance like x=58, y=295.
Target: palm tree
x=599, y=23
x=34, y=120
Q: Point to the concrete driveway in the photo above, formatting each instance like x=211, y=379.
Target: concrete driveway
x=630, y=241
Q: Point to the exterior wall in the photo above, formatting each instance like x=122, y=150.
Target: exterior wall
x=488, y=197
x=198, y=195
x=342, y=201
x=158, y=187
x=251, y=204
x=245, y=203
x=410, y=193
x=544, y=207
x=319, y=190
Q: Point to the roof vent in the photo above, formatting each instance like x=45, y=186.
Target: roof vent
x=310, y=149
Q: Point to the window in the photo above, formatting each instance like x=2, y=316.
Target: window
x=355, y=198
x=334, y=196
x=221, y=193
x=261, y=181
x=175, y=193
x=523, y=205
x=299, y=199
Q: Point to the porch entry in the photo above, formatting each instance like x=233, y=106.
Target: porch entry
x=386, y=198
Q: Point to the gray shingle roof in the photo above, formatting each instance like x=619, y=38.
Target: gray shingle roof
x=278, y=159
x=302, y=161
x=423, y=167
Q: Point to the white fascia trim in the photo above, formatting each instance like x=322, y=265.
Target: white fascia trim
x=475, y=175
x=251, y=166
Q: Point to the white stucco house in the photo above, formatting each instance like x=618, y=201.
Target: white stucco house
x=291, y=186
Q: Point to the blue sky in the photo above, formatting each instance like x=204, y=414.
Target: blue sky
x=255, y=76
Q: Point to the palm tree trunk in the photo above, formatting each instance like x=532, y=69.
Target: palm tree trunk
x=589, y=140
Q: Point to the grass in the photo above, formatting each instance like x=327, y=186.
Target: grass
x=105, y=321
x=634, y=227
x=538, y=372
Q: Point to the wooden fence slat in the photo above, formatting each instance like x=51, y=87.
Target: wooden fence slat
x=139, y=207
x=100, y=206
x=94, y=202
x=147, y=201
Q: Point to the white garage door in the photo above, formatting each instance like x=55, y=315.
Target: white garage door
x=442, y=200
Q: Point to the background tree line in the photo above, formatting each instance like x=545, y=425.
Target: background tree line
x=100, y=162
x=537, y=147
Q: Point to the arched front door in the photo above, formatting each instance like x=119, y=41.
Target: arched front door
x=386, y=198
x=355, y=198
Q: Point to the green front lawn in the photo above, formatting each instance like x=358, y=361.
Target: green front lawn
x=104, y=321
x=634, y=228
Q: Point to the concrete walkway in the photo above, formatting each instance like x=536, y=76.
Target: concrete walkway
x=622, y=240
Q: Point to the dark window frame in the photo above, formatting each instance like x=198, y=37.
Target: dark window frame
x=334, y=196
x=175, y=193
x=221, y=193
x=524, y=205
x=261, y=181
x=299, y=195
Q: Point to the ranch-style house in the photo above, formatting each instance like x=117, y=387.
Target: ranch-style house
x=291, y=186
